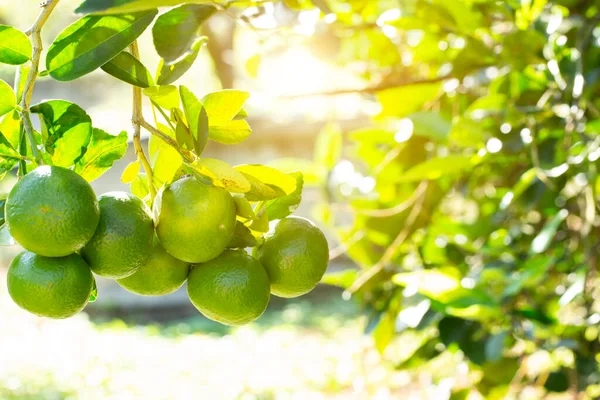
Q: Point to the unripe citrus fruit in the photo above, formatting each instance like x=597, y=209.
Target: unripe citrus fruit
x=160, y=275
x=123, y=239
x=57, y=287
x=295, y=255
x=52, y=211
x=196, y=220
x=232, y=289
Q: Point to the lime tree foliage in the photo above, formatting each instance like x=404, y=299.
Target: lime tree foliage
x=470, y=202
x=186, y=215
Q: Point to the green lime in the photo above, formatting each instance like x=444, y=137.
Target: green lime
x=295, y=254
x=196, y=221
x=160, y=275
x=123, y=239
x=57, y=287
x=232, y=289
x=52, y=211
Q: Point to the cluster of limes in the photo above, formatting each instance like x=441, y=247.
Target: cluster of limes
x=68, y=233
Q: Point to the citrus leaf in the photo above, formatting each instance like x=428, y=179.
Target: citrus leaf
x=176, y=31
x=11, y=128
x=197, y=118
x=284, y=206
x=129, y=69
x=165, y=96
x=270, y=176
x=169, y=73
x=66, y=130
x=243, y=207
x=164, y=159
x=131, y=172
x=260, y=191
x=15, y=47
x=139, y=186
x=261, y=223
x=222, y=174
x=242, y=237
x=7, y=98
x=9, y=157
x=222, y=108
x=122, y=6
x=93, y=41
x=94, y=294
x=104, y=149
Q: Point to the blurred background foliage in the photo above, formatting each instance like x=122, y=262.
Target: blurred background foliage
x=456, y=145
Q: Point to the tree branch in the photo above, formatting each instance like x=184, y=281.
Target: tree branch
x=187, y=156
x=391, y=251
x=36, y=40
x=136, y=117
x=370, y=89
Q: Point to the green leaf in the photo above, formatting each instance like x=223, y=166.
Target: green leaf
x=7, y=98
x=93, y=41
x=403, y=101
x=122, y=6
x=242, y=237
x=284, y=206
x=542, y=241
x=260, y=191
x=139, y=187
x=165, y=160
x=11, y=128
x=66, y=131
x=222, y=175
x=9, y=157
x=270, y=176
x=436, y=168
x=243, y=207
x=197, y=118
x=176, y=31
x=169, y=73
x=222, y=108
x=129, y=69
x=94, y=294
x=131, y=172
x=261, y=223
x=494, y=347
x=183, y=135
x=104, y=149
x=166, y=96
x=384, y=332
x=15, y=47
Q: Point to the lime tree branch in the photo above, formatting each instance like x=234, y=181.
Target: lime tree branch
x=391, y=251
x=135, y=120
x=370, y=89
x=36, y=40
x=186, y=155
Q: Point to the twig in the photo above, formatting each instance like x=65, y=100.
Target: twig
x=391, y=251
x=343, y=247
x=36, y=40
x=370, y=89
x=397, y=209
x=136, y=117
x=187, y=156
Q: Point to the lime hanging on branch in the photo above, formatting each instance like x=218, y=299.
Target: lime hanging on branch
x=188, y=217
